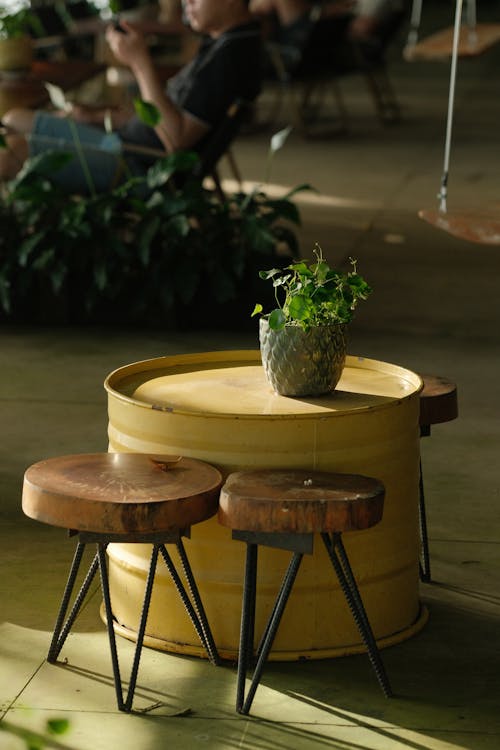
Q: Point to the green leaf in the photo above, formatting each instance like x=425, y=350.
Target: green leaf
x=278, y=140
x=180, y=225
x=298, y=189
x=286, y=210
x=299, y=307
x=57, y=97
x=100, y=275
x=28, y=246
x=5, y=301
x=148, y=232
x=257, y=309
x=277, y=320
x=147, y=112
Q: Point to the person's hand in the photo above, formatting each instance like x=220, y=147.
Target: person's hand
x=128, y=45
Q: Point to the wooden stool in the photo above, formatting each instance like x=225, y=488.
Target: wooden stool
x=438, y=403
x=124, y=497
x=283, y=509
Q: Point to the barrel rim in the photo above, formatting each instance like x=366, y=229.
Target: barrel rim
x=250, y=357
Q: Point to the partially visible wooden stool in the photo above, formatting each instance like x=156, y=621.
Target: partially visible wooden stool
x=124, y=497
x=438, y=403
x=283, y=509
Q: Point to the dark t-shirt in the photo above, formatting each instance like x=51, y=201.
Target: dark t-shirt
x=224, y=69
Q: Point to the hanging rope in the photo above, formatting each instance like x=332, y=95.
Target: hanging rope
x=443, y=193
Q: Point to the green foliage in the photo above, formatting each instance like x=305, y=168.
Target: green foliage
x=314, y=294
x=16, y=23
x=147, y=112
x=145, y=251
x=34, y=740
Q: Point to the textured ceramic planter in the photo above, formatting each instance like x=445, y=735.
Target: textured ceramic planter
x=303, y=363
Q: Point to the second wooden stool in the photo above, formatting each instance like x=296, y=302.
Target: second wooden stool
x=124, y=497
x=438, y=403
x=283, y=509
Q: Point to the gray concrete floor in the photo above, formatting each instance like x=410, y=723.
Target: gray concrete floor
x=435, y=308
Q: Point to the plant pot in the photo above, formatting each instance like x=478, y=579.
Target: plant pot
x=16, y=54
x=303, y=363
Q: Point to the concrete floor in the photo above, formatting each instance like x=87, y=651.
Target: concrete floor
x=435, y=308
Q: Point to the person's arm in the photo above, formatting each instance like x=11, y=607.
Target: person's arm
x=177, y=130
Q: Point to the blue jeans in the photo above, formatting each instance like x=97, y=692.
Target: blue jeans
x=97, y=155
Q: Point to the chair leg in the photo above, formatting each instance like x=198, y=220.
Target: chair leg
x=126, y=705
x=349, y=586
x=272, y=628
x=425, y=564
x=196, y=613
x=61, y=628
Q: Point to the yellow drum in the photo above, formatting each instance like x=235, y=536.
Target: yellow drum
x=218, y=407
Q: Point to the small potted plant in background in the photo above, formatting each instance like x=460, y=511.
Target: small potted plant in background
x=16, y=46
x=303, y=341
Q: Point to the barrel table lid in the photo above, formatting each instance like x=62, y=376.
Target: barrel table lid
x=233, y=383
x=300, y=501
x=121, y=493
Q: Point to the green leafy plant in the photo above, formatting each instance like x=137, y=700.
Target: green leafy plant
x=18, y=22
x=313, y=294
x=156, y=248
x=34, y=740
x=144, y=258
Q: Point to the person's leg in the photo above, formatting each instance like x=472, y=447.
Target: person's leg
x=17, y=122
x=13, y=156
x=96, y=155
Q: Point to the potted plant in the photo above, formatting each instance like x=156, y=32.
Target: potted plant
x=16, y=47
x=303, y=340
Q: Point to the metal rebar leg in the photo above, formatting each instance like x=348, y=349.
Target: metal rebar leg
x=127, y=704
x=208, y=639
x=62, y=629
x=272, y=627
x=425, y=564
x=212, y=654
x=247, y=622
x=349, y=586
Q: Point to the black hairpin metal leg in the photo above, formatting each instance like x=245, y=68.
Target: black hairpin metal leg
x=202, y=627
x=61, y=628
x=425, y=564
x=247, y=622
x=344, y=573
x=126, y=705
x=208, y=639
x=271, y=630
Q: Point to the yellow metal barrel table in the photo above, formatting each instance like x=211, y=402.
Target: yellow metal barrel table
x=219, y=407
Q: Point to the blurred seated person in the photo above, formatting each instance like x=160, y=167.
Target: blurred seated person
x=226, y=67
x=335, y=24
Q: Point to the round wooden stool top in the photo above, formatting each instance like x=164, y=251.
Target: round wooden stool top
x=121, y=493
x=438, y=400
x=300, y=501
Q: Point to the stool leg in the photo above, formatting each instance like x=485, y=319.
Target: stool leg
x=61, y=629
x=208, y=639
x=247, y=622
x=202, y=629
x=272, y=627
x=349, y=586
x=425, y=565
x=127, y=704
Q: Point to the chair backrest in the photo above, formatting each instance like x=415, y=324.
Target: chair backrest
x=218, y=142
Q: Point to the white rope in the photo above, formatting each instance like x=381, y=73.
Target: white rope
x=416, y=15
x=443, y=194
